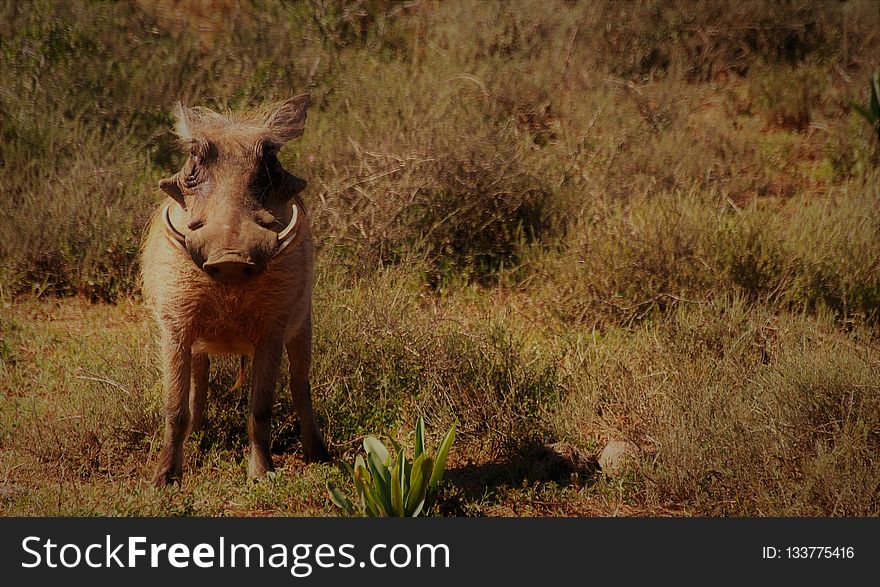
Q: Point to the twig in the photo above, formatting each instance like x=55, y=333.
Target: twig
x=469, y=77
x=109, y=382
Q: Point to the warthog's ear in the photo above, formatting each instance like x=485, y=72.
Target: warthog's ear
x=171, y=186
x=288, y=120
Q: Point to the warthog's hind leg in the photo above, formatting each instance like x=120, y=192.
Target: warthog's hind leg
x=199, y=391
x=299, y=351
x=177, y=358
x=267, y=361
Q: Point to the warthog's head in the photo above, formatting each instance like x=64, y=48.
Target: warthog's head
x=236, y=200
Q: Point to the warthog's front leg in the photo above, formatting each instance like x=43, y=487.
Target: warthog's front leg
x=299, y=351
x=177, y=358
x=267, y=361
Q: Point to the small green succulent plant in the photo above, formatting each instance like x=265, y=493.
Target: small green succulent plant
x=389, y=485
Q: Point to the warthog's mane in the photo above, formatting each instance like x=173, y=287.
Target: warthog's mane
x=269, y=122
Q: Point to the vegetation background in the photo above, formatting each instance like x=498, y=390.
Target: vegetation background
x=557, y=223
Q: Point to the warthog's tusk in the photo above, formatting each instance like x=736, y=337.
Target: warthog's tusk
x=286, y=236
x=173, y=234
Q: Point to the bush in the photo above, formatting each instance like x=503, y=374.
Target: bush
x=656, y=253
x=387, y=355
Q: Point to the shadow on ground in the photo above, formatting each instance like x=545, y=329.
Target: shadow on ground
x=481, y=483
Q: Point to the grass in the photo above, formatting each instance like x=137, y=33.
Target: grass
x=599, y=221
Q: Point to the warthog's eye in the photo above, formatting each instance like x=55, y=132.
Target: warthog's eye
x=270, y=159
x=201, y=150
x=192, y=176
x=199, y=153
x=191, y=179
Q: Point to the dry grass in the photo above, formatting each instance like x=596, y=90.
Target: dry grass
x=644, y=221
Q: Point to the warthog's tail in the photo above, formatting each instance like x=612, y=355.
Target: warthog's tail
x=239, y=381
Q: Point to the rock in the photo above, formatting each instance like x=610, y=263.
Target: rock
x=617, y=456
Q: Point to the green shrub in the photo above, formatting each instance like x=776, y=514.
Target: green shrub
x=387, y=484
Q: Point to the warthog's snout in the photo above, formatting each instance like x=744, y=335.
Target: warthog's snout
x=241, y=254
x=231, y=268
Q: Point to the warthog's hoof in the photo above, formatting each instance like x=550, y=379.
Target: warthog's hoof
x=259, y=463
x=317, y=454
x=166, y=477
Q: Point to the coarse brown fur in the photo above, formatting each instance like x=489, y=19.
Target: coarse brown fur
x=262, y=316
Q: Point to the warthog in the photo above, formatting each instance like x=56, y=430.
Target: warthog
x=227, y=267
